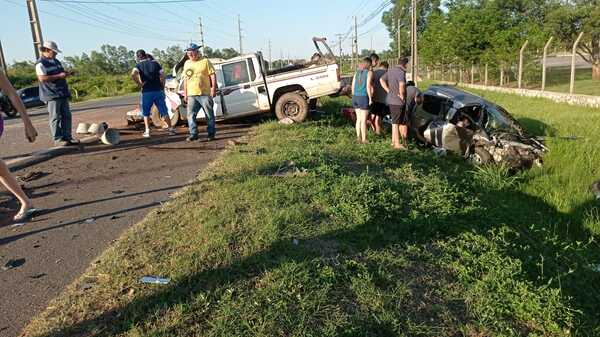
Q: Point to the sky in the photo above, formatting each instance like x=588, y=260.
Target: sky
x=290, y=25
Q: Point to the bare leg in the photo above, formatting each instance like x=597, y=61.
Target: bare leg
x=395, y=135
x=11, y=184
x=363, y=126
x=357, y=124
x=377, y=125
x=404, y=134
x=147, y=123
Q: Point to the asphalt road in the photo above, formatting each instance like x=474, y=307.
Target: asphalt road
x=88, y=200
x=14, y=145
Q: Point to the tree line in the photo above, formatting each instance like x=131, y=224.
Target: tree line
x=465, y=32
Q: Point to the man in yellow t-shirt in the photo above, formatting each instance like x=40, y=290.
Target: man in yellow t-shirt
x=200, y=88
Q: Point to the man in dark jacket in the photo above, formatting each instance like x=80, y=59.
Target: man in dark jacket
x=149, y=75
x=54, y=91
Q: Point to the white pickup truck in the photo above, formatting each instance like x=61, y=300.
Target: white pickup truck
x=247, y=87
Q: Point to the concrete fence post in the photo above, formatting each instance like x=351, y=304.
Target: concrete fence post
x=572, y=87
x=544, y=62
x=460, y=74
x=486, y=75
x=521, y=63
x=501, y=75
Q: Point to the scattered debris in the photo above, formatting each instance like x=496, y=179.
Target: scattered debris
x=114, y=217
x=114, y=158
x=289, y=169
x=90, y=221
x=36, y=246
x=86, y=286
x=155, y=280
x=58, y=261
x=30, y=176
x=18, y=225
x=13, y=263
x=168, y=177
x=260, y=151
x=37, y=276
x=440, y=152
x=118, y=192
x=234, y=142
x=286, y=121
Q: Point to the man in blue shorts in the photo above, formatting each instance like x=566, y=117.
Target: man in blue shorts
x=149, y=75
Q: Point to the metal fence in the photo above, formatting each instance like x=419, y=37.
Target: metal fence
x=548, y=69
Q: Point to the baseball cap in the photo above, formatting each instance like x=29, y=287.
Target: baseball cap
x=192, y=46
x=52, y=46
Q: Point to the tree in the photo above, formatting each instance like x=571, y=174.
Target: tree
x=569, y=18
x=401, y=11
x=169, y=57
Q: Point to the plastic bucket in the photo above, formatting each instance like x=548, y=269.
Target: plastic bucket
x=82, y=128
x=111, y=137
x=96, y=129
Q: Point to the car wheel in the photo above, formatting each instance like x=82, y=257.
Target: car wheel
x=293, y=106
x=11, y=112
x=481, y=156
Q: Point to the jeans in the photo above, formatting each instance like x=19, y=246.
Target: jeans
x=193, y=106
x=60, y=119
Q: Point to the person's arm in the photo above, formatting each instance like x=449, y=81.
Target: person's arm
x=370, y=86
x=213, y=85
x=40, y=71
x=213, y=79
x=162, y=78
x=384, y=83
x=135, y=76
x=402, y=92
x=10, y=91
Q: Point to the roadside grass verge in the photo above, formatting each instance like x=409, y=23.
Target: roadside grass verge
x=302, y=232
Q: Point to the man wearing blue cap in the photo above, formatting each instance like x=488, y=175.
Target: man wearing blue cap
x=200, y=87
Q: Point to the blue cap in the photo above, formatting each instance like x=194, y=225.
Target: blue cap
x=192, y=46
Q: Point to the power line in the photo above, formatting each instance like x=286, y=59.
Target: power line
x=121, y=2
x=128, y=33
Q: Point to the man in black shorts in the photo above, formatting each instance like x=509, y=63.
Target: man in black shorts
x=379, y=108
x=394, y=83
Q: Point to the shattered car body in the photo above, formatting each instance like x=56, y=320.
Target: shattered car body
x=475, y=128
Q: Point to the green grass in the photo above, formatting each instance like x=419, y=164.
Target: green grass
x=358, y=241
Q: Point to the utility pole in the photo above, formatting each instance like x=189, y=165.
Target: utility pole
x=36, y=29
x=414, y=54
x=270, y=59
x=399, y=44
x=340, y=37
x=2, y=60
x=240, y=34
x=355, y=44
x=202, y=37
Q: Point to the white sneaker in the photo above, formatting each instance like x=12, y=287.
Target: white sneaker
x=171, y=132
x=146, y=134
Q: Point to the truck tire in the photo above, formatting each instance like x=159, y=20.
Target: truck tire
x=481, y=156
x=292, y=105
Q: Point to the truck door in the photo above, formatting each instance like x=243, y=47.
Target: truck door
x=239, y=94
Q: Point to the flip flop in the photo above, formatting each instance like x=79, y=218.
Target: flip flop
x=20, y=217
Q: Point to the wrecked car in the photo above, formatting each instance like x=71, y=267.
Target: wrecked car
x=469, y=125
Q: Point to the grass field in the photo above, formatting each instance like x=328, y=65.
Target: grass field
x=302, y=232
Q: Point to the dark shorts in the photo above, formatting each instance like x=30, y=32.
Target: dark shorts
x=380, y=109
x=154, y=98
x=399, y=115
x=360, y=102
